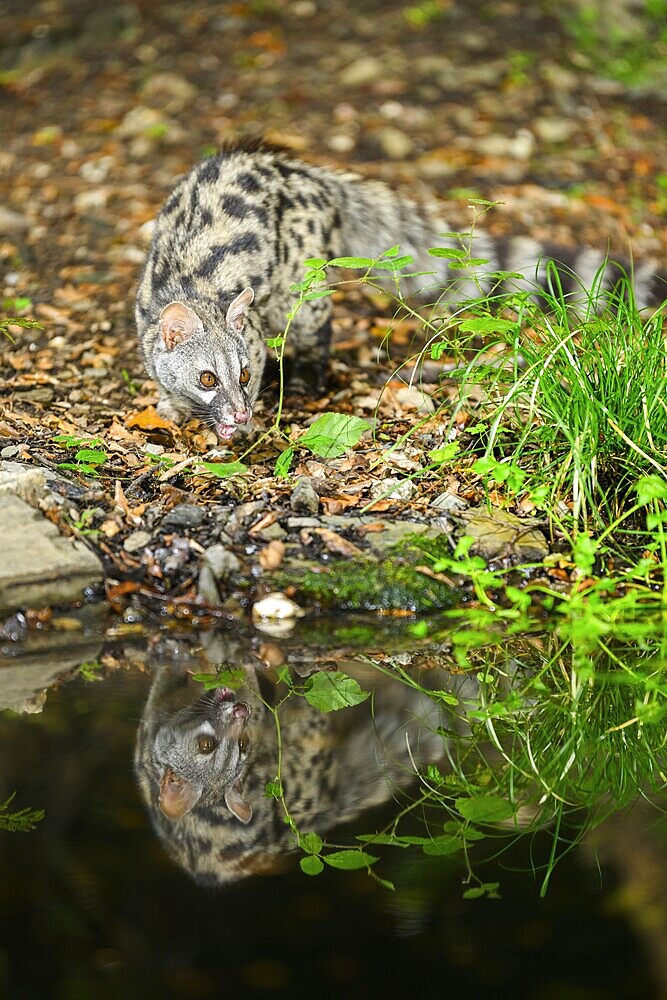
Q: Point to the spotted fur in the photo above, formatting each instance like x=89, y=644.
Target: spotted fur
x=231, y=240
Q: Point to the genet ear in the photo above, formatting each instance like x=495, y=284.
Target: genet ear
x=178, y=323
x=236, y=804
x=177, y=795
x=236, y=313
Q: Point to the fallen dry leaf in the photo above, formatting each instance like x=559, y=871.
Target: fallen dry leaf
x=335, y=543
x=149, y=420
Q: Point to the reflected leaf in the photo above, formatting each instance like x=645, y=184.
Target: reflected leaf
x=329, y=692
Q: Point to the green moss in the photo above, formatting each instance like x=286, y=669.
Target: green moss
x=366, y=585
x=413, y=548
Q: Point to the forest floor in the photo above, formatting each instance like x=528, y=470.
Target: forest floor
x=104, y=106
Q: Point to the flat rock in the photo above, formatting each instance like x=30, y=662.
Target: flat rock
x=39, y=567
x=184, y=515
x=501, y=534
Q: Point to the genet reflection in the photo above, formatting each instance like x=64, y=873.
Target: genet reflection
x=204, y=760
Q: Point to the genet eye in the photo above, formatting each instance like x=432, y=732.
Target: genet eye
x=206, y=744
x=244, y=377
x=244, y=743
x=208, y=380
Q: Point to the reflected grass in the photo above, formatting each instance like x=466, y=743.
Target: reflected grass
x=569, y=729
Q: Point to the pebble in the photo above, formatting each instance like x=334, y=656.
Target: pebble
x=220, y=561
x=241, y=516
x=554, y=129
x=275, y=614
x=272, y=533
x=304, y=497
x=365, y=70
x=12, y=222
x=207, y=588
x=395, y=145
x=169, y=91
x=184, y=515
x=517, y=147
x=136, y=541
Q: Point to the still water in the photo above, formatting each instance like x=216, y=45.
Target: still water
x=162, y=867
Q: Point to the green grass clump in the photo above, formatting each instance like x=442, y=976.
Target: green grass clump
x=578, y=402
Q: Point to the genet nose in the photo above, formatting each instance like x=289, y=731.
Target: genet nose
x=241, y=416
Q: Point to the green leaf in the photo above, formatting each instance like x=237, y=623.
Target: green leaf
x=230, y=677
x=311, y=843
x=350, y=860
x=395, y=264
x=450, y=252
x=651, y=488
x=385, y=883
x=446, y=454
x=72, y=441
x=273, y=790
x=223, y=470
x=317, y=293
x=358, y=262
x=331, y=691
x=485, y=808
x=91, y=456
x=488, y=324
x=275, y=342
x=332, y=434
x=283, y=462
x=464, y=831
x=475, y=893
x=315, y=262
x=311, y=865
x=445, y=696
x=382, y=838
x=446, y=844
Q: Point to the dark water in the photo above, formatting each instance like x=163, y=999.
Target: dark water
x=92, y=906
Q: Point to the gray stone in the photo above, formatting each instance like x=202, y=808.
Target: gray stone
x=272, y=532
x=207, y=588
x=23, y=481
x=136, y=541
x=304, y=497
x=184, y=515
x=38, y=566
x=220, y=561
x=303, y=522
x=10, y=451
x=242, y=517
